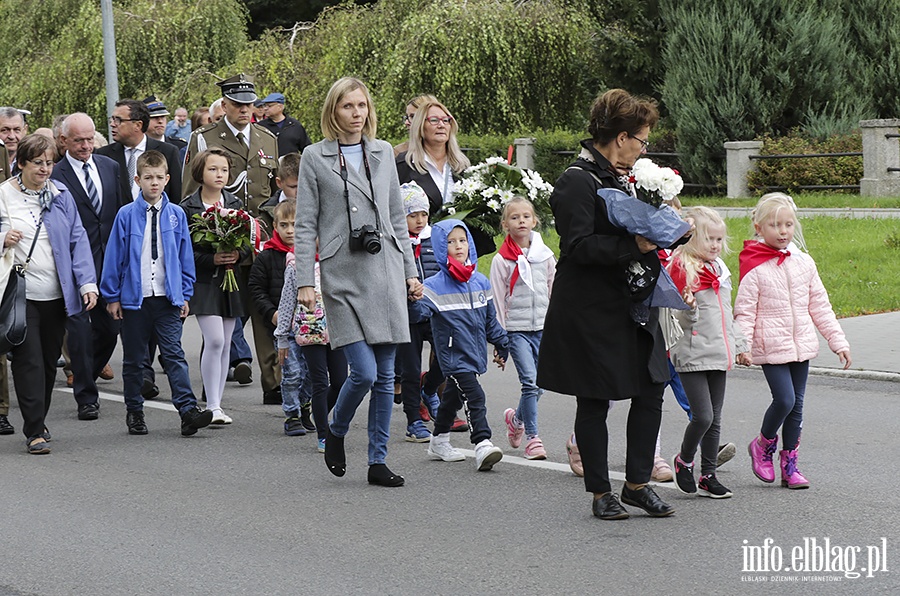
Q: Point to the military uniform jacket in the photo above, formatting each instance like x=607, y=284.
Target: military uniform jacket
x=252, y=174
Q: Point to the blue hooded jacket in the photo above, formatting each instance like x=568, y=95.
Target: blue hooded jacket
x=462, y=315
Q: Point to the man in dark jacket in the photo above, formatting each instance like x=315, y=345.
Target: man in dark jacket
x=292, y=137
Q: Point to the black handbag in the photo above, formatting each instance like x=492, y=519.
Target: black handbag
x=12, y=305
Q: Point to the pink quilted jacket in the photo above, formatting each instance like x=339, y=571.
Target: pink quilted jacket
x=779, y=308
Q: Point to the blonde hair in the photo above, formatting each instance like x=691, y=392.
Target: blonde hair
x=415, y=156
x=768, y=207
x=330, y=127
x=519, y=200
x=690, y=253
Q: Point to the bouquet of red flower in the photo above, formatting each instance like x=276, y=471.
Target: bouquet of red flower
x=224, y=230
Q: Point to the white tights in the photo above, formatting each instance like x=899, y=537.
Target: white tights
x=216, y=356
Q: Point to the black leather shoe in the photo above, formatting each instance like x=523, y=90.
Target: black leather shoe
x=273, y=397
x=381, y=475
x=89, y=411
x=194, y=419
x=335, y=458
x=647, y=500
x=136, y=424
x=5, y=427
x=149, y=390
x=608, y=507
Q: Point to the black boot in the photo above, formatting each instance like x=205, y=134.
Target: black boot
x=306, y=417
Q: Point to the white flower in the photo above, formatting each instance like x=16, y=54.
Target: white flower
x=451, y=211
x=493, y=204
x=494, y=159
x=506, y=196
x=489, y=192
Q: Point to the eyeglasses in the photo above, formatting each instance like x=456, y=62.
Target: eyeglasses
x=434, y=120
x=408, y=118
x=117, y=121
x=644, y=144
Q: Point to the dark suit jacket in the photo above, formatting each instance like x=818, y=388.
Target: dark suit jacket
x=291, y=135
x=116, y=151
x=97, y=227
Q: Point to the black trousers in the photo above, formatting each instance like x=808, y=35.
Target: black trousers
x=91, y=341
x=592, y=437
x=409, y=365
x=34, y=361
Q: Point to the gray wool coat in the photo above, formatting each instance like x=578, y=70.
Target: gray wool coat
x=364, y=295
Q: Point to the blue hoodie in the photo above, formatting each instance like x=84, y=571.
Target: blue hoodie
x=462, y=314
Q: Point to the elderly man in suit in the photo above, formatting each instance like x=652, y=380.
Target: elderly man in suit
x=93, y=181
x=254, y=163
x=12, y=128
x=128, y=124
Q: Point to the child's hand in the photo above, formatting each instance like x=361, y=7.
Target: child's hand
x=688, y=296
x=90, y=300
x=415, y=289
x=275, y=319
x=225, y=258
x=500, y=361
x=115, y=310
x=744, y=359
x=185, y=310
x=844, y=355
x=306, y=296
x=282, y=354
x=644, y=245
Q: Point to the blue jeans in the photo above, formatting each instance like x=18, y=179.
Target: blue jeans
x=156, y=316
x=788, y=385
x=327, y=372
x=295, y=382
x=371, y=369
x=524, y=347
x=240, y=350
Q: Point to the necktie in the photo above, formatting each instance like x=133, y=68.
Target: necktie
x=154, y=250
x=91, y=189
x=132, y=167
x=241, y=137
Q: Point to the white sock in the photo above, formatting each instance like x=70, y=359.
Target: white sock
x=441, y=438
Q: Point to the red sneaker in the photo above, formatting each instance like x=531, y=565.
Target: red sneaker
x=459, y=426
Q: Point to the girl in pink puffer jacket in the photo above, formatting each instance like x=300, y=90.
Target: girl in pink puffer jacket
x=780, y=303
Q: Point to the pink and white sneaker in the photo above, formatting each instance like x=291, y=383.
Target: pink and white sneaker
x=515, y=430
x=534, y=449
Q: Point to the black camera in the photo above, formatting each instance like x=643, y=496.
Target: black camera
x=366, y=238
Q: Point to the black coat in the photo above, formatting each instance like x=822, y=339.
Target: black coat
x=209, y=298
x=292, y=137
x=484, y=244
x=116, y=151
x=591, y=347
x=266, y=282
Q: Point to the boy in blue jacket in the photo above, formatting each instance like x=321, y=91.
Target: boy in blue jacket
x=458, y=300
x=148, y=278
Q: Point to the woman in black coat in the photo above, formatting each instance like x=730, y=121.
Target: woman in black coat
x=591, y=347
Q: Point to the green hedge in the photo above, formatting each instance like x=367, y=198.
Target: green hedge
x=815, y=171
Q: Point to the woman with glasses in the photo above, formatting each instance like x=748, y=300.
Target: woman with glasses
x=40, y=228
x=592, y=346
x=348, y=198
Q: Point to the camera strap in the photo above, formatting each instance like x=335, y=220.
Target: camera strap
x=345, y=176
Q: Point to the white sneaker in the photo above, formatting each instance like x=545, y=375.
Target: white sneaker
x=220, y=417
x=443, y=450
x=486, y=455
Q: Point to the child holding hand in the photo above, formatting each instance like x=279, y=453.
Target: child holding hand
x=780, y=304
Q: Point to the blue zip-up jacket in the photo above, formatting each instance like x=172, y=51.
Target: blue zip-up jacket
x=121, y=277
x=462, y=314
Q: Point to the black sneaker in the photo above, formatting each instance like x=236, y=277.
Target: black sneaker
x=710, y=487
x=684, y=475
x=306, y=417
x=136, y=424
x=194, y=419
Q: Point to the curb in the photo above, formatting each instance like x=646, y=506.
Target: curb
x=863, y=375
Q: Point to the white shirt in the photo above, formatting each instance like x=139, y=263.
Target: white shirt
x=443, y=179
x=235, y=131
x=153, y=272
x=19, y=211
x=78, y=166
x=137, y=150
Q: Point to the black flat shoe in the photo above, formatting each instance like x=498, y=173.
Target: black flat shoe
x=135, y=423
x=89, y=411
x=5, y=427
x=381, y=475
x=335, y=458
x=647, y=500
x=608, y=507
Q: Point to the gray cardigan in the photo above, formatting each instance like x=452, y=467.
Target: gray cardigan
x=364, y=295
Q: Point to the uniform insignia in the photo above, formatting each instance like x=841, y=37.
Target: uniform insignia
x=222, y=136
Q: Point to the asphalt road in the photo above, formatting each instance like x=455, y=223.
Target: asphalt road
x=246, y=510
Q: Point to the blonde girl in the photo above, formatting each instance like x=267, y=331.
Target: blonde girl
x=521, y=278
x=706, y=351
x=780, y=304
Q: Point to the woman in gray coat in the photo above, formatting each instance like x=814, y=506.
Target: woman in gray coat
x=348, y=198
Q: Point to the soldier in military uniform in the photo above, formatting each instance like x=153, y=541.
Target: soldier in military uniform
x=254, y=163
x=254, y=156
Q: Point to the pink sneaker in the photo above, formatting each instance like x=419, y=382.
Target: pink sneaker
x=761, y=451
x=514, y=432
x=574, y=457
x=790, y=475
x=535, y=449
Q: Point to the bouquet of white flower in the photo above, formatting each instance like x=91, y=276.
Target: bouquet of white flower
x=483, y=190
x=653, y=184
